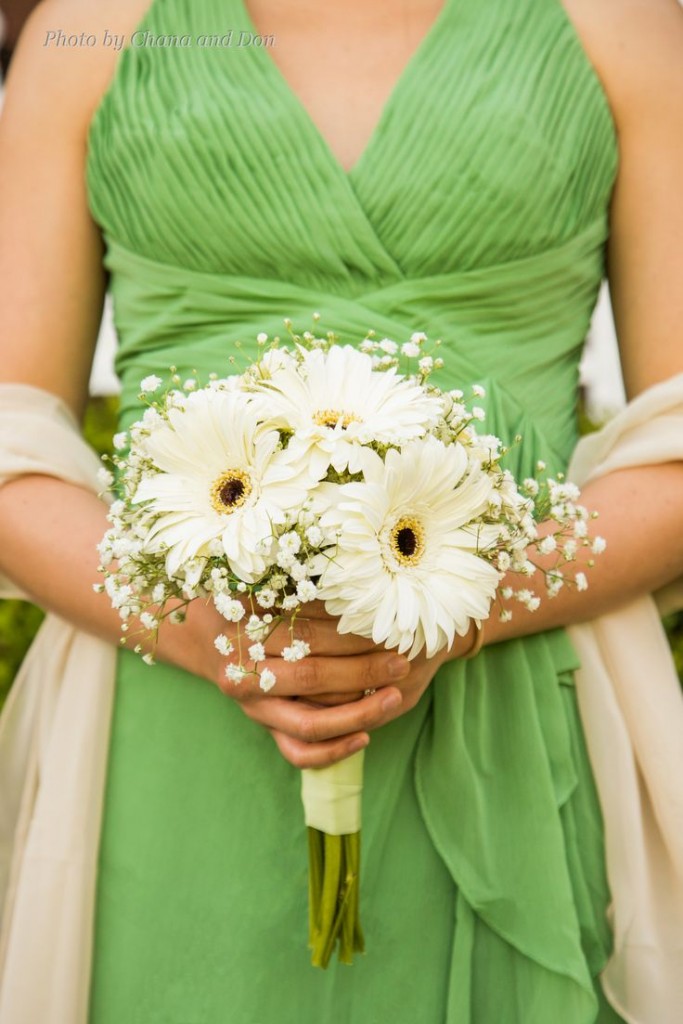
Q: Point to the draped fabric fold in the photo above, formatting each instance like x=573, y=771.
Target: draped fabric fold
x=503, y=786
x=632, y=708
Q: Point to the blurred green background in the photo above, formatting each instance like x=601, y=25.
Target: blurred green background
x=19, y=620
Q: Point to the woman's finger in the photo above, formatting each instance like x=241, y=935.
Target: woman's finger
x=310, y=723
x=312, y=676
x=331, y=700
x=318, y=755
x=316, y=610
x=321, y=635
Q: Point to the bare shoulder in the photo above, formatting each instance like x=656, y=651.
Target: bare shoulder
x=51, y=275
x=636, y=47
x=66, y=57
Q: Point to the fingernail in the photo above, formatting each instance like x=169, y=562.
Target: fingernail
x=391, y=701
x=398, y=668
x=356, y=745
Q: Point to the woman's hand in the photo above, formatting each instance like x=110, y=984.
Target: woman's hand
x=317, y=712
x=336, y=673
x=310, y=734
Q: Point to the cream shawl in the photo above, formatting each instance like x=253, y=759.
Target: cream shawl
x=54, y=734
x=631, y=706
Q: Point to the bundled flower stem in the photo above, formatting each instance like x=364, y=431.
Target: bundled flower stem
x=332, y=804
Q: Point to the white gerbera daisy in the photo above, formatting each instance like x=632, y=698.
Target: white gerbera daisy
x=335, y=401
x=221, y=476
x=406, y=572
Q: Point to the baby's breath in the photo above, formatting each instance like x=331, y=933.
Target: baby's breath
x=135, y=578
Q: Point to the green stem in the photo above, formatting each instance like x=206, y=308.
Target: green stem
x=315, y=882
x=350, y=878
x=328, y=900
x=358, y=937
x=334, y=876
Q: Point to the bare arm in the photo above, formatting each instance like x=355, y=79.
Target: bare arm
x=52, y=286
x=637, y=48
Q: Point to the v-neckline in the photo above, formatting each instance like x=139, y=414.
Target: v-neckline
x=400, y=84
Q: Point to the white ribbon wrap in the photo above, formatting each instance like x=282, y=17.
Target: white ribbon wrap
x=332, y=796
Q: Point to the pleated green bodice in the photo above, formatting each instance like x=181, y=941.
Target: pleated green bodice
x=478, y=213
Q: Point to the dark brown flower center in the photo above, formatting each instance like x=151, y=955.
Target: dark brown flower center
x=407, y=541
x=230, y=491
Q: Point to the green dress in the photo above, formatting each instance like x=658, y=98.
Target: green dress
x=478, y=214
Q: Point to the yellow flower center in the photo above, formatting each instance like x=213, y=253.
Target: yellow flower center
x=230, y=490
x=407, y=541
x=331, y=417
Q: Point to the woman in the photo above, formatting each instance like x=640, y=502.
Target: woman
x=462, y=178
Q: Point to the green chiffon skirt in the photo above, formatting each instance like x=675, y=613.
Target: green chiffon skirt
x=483, y=882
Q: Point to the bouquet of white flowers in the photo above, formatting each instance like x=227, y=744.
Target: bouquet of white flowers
x=330, y=472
